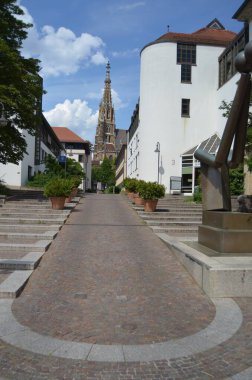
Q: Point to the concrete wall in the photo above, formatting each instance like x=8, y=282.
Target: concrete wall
x=161, y=92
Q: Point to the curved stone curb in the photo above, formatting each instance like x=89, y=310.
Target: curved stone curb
x=227, y=321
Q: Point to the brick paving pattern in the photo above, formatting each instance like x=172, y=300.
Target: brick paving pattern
x=108, y=279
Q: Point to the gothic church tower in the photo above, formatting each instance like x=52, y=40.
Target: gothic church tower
x=105, y=130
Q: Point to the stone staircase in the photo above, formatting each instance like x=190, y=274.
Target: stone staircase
x=27, y=227
x=174, y=216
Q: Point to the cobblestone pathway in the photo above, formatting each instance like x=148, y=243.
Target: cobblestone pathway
x=108, y=280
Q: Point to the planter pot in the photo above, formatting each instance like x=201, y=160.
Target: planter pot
x=74, y=192
x=139, y=201
x=68, y=199
x=131, y=195
x=150, y=205
x=58, y=203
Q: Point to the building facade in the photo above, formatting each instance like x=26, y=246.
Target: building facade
x=183, y=80
x=45, y=142
x=105, y=131
x=77, y=149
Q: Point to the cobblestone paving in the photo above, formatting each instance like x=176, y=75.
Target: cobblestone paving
x=104, y=271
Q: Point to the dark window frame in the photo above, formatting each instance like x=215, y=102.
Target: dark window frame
x=186, y=73
x=185, y=107
x=186, y=53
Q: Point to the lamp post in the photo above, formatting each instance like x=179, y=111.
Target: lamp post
x=3, y=120
x=157, y=150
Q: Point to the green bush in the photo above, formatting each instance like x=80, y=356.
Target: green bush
x=130, y=184
x=236, y=181
x=58, y=187
x=39, y=180
x=197, y=195
x=151, y=190
x=112, y=190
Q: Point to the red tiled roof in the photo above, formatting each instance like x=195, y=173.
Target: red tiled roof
x=66, y=135
x=208, y=36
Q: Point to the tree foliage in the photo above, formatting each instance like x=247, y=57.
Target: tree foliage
x=53, y=168
x=105, y=173
x=20, y=85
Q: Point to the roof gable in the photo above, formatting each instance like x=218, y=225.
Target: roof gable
x=66, y=135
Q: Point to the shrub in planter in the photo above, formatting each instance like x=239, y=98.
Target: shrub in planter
x=151, y=192
x=139, y=201
x=131, y=186
x=58, y=188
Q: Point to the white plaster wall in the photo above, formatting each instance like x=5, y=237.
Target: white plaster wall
x=11, y=174
x=133, y=156
x=226, y=92
x=161, y=92
x=17, y=175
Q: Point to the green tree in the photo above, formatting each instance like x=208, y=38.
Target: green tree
x=20, y=85
x=105, y=173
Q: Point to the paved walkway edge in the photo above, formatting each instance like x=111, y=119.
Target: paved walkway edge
x=227, y=321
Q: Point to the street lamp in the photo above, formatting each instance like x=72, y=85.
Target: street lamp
x=157, y=150
x=3, y=120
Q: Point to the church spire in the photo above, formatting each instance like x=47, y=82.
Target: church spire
x=107, y=98
x=105, y=131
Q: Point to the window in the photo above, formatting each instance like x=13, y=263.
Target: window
x=186, y=73
x=186, y=54
x=80, y=158
x=185, y=108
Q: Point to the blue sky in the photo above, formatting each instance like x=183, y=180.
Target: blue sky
x=74, y=39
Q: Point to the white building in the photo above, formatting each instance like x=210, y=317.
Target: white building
x=45, y=142
x=77, y=149
x=183, y=80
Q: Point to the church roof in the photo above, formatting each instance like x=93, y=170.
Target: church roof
x=213, y=34
x=66, y=135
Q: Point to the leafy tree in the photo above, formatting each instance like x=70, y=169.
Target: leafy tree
x=20, y=85
x=237, y=175
x=236, y=180
x=105, y=173
x=72, y=170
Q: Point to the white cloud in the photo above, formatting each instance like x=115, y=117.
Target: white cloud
x=117, y=102
x=60, y=50
x=75, y=115
x=99, y=59
x=130, y=7
x=125, y=53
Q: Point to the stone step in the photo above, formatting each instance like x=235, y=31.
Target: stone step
x=176, y=229
x=31, y=220
x=38, y=246
x=172, y=222
x=27, y=262
x=12, y=286
x=176, y=218
x=164, y=214
x=17, y=236
x=33, y=215
x=33, y=228
x=24, y=208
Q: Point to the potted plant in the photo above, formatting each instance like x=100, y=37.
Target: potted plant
x=151, y=192
x=130, y=186
x=58, y=189
x=139, y=201
x=76, y=181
